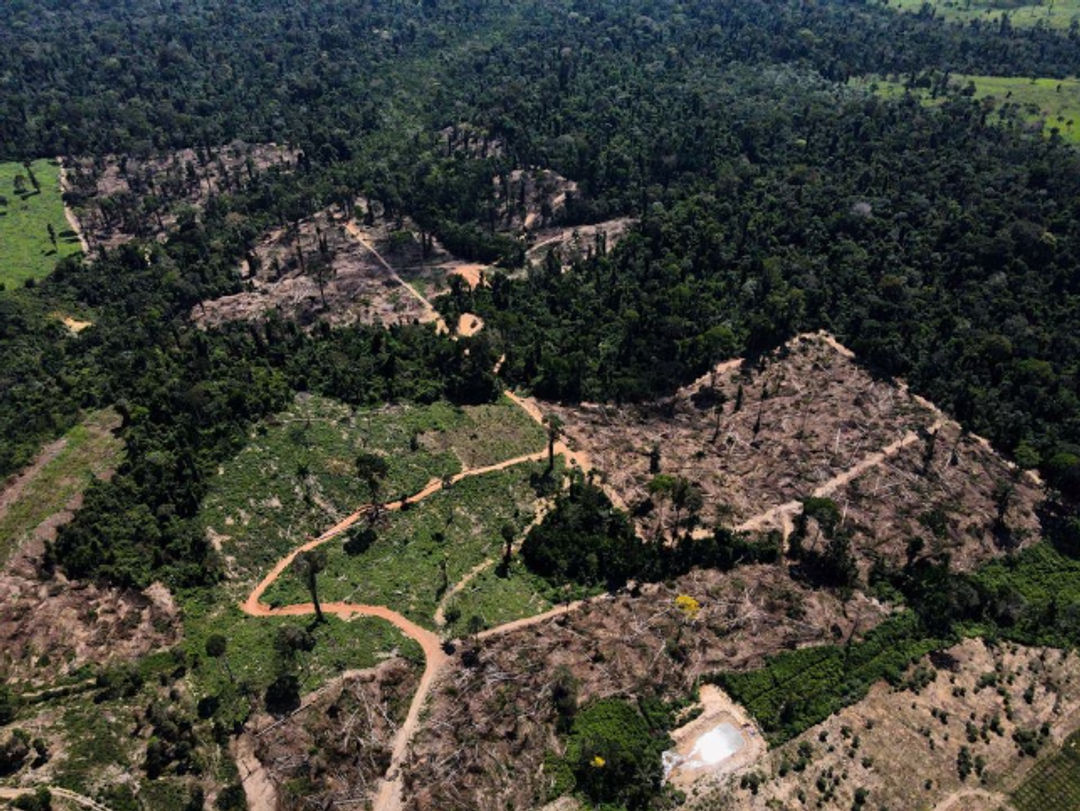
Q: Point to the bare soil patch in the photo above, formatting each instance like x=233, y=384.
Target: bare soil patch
x=117, y=198
x=904, y=745
x=339, y=745
x=490, y=724
x=716, y=708
x=50, y=627
x=807, y=420
x=573, y=243
x=288, y=267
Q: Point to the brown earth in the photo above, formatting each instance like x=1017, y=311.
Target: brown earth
x=50, y=627
x=902, y=744
x=485, y=719
x=574, y=243
x=813, y=422
x=340, y=741
x=118, y=198
x=358, y=287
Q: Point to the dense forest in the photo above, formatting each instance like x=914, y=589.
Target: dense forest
x=769, y=197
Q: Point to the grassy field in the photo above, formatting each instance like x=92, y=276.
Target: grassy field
x=496, y=597
x=89, y=449
x=1054, y=782
x=252, y=659
x=403, y=567
x=26, y=251
x=297, y=475
x=1053, y=102
x=1054, y=14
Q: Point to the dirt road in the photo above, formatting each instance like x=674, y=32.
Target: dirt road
x=432, y=314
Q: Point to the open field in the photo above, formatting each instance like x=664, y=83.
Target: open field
x=1046, y=104
x=316, y=271
x=297, y=476
x=494, y=598
x=458, y=528
x=499, y=708
x=26, y=212
x=950, y=737
x=1053, y=13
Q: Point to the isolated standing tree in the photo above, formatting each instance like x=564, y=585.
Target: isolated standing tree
x=554, y=429
x=52, y=234
x=307, y=565
x=508, y=534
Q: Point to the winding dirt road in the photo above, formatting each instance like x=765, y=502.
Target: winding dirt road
x=388, y=795
x=56, y=791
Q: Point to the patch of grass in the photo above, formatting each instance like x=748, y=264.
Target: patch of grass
x=297, y=476
x=89, y=449
x=497, y=599
x=1054, y=782
x=1053, y=103
x=253, y=659
x=26, y=251
x=95, y=740
x=403, y=568
x=1053, y=14
x=491, y=433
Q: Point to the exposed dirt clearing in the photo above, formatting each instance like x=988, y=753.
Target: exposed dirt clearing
x=717, y=708
x=575, y=243
x=120, y=198
x=929, y=726
x=469, y=325
x=500, y=710
x=811, y=422
x=286, y=269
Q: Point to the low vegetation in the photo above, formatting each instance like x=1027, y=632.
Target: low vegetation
x=408, y=559
x=1049, y=106
x=87, y=451
x=34, y=233
x=1054, y=782
x=994, y=15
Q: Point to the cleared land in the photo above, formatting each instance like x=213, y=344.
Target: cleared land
x=950, y=737
x=298, y=475
x=120, y=198
x=1045, y=104
x=499, y=709
x=452, y=531
x=316, y=270
x=807, y=420
x=37, y=500
x=1053, y=14
x=26, y=213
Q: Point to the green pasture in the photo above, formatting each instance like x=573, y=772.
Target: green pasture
x=26, y=212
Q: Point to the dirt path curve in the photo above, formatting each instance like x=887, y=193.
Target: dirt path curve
x=389, y=792
x=56, y=791
x=956, y=798
x=432, y=314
